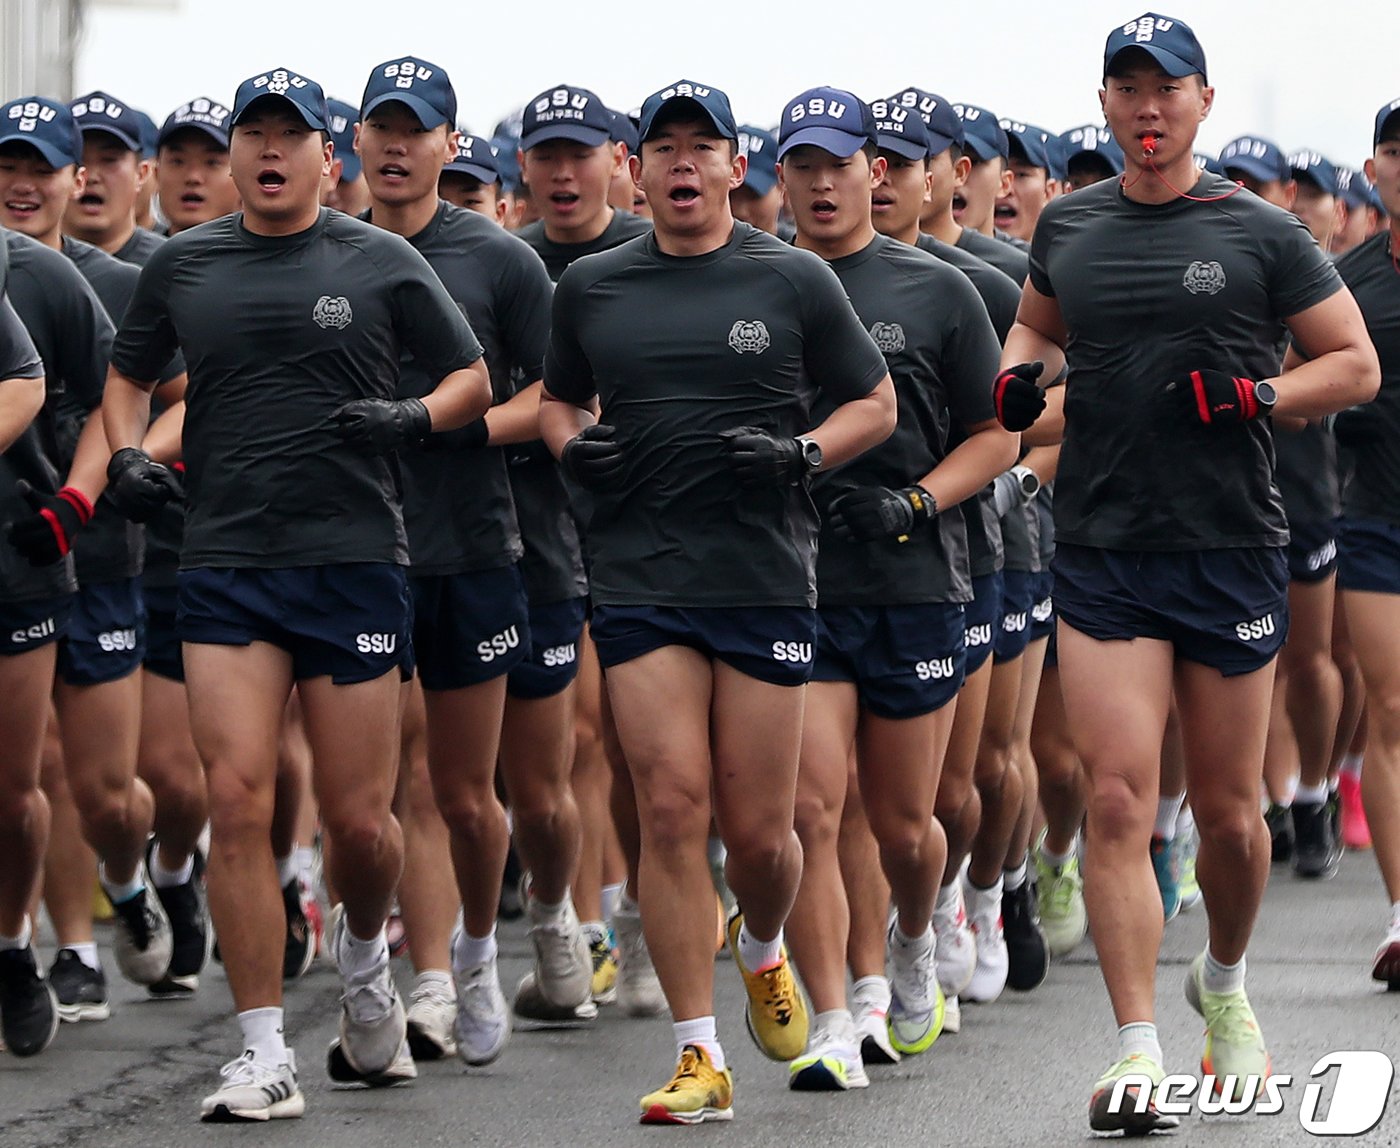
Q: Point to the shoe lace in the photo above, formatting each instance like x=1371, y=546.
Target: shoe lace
x=432, y=993
x=478, y=999
x=778, y=992
x=367, y=997
x=1230, y=1018
x=1061, y=885
x=691, y=1067
x=246, y=1069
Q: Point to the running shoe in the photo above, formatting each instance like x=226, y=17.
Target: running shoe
x=603, y=951
x=1060, y=894
x=638, y=989
x=563, y=963
x=482, y=1026
x=1280, y=833
x=373, y=1025
x=873, y=1032
x=432, y=1012
x=1027, y=953
x=1356, y=832
x=299, y=945
x=1386, y=966
x=832, y=1062
x=142, y=943
x=952, y=1015
x=993, y=961
x=696, y=1093
x=954, y=948
x=252, y=1090
x=81, y=991
x=1129, y=1120
x=916, y=1002
x=777, y=1012
x=1234, y=1045
x=191, y=934
x=511, y=906
x=1184, y=846
x=1317, y=853
x=28, y=1006
x=1167, y=885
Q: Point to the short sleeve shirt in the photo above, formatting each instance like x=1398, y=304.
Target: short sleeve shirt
x=1005, y=257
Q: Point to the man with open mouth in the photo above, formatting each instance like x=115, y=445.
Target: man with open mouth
x=193, y=181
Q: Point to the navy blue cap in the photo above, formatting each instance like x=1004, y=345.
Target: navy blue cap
x=899, y=129
x=1354, y=187
x=834, y=120
x=1211, y=164
x=760, y=147
x=1258, y=158
x=342, y=118
x=506, y=147
x=150, y=134
x=1057, y=157
x=421, y=87
x=45, y=125
x=1096, y=140
x=99, y=112
x=1315, y=167
x=1029, y=140
x=1167, y=40
x=565, y=113
x=305, y=96
x=944, y=125
x=711, y=101
x=475, y=157
x=203, y=114
x=1382, y=118
x=1373, y=198
x=982, y=131
x=624, y=131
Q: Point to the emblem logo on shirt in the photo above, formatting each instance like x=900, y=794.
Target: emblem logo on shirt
x=889, y=337
x=749, y=335
x=1204, y=278
x=332, y=313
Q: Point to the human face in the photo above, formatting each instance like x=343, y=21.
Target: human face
x=830, y=197
x=1383, y=170
x=34, y=194
x=946, y=176
x=402, y=159
x=621, y=191
x=1142, y=101
x=1027, y=193
x=569, y=184
x=759, y=210
x=1274, y=191
x=1086, y=169
x=687, y=173
x=1355, y=226
x=113, y=175
x=194, y=180
x=278, y=163
x=898, y=201
x=975, y=201
x=463, y=190
x=1318, y=211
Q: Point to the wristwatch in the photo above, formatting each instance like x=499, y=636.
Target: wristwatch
x=811, y=455
x=1266, y=395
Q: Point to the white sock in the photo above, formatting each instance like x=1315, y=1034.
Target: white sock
x=985, y=898
x=920, y=944
x=86, y=951
x=1139, y=1037
x=947, y=903
x=1056, y=860
x=838, y=1022
x=873, y=991
x=358, y=956
x=439, y=977
x=715, y=851
x=472, y=951
x=542, y=912
x=759, y=955
x=1185, y=821
x=26, y=934
x=1289, y=790
x=1218, y=978
x=1351, y=763
x=287, y=869
x=610, y=893
x=305, y=858
x=1167, y=809
x=120, y=892
x=1013, y=879
x=163, y=878
x=1310, y=794
x=701, y=1032
x=262, y=1034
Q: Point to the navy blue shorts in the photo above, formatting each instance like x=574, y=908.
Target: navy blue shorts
x=1312, y=551
x=551, y=663
x=26, y=626
x=1013, y=634
x=1227, y=609
x=164, y=655
x=1369, y=555
x=468, y=628
x=1042, y=605
x=349, y=622
x=106, y=639
x=981, y=617
x=771, y=643
x=904, y=660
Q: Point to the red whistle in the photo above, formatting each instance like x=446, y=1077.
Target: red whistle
x=1149, y=145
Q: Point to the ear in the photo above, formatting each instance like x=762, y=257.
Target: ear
x=1370, y=166
x=634, y=166
x=961, y=170
x=619, y=157
x=144, y=170
x=327, y=158
x=1207, y=100
x=928, y=184
x=1103, y=107
x=79, y=181
x=738, y=170
x=1008, y=177
x=355, y=144
x=502, y=206
x=449, y=153
x=1290, y=194
x=878, y=167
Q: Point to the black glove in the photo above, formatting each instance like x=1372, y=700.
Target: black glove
x=763, y=459
x=379, y=426
x=1357, y=427
x=140, y=487
x=594, y=457
x=1219, y=399
x=473, y=436
x=873, y=512
x=1017, y=397
x=46, y=535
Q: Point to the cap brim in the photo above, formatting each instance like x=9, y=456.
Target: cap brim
x=900, y=145
x=307, y=116
x=1033, y=154
x=938, y=143
x=841, y=144
x=218, y=135
x=52, y=155
x=576, y=133
x=760, y=180
x=1169, y=62
x=481, y=174
x=724, y=131
x=1111, y=162
x=427, y=115
x=1253, y=167
x=982, y=149
x=126, y=140
x=1316, y=179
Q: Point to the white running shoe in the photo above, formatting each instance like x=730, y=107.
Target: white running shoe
x=638, y=989
x=952, y=1015
x=482, y=1025
x=432, y=1012
x=916, y=1002
x=563, y=963
x=832, y=1062
x=993, y=961
x=955, y=948
x=373, y=1025
x=142, y=942
x=252, y=1090
x=873, y=1032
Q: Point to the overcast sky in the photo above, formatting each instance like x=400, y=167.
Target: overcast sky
x=1306, y=75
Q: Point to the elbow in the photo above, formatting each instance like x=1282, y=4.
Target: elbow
x=1368, y=383
x=886, y=412
x=31, y=393
x=479, y=392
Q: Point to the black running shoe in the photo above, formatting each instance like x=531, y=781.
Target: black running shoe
x=300, y=949
x=191, y=937
x=28, y=1007
x=512, y=902
x=1280, y=825
x=1317, y=853
x=1026, y=948
x=81, y=991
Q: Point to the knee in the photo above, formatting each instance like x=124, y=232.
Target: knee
x=101, y=803
x=1236, y=827
x=473, y=811
x=1383, y=714
x=355, y=833
x=900, y=835
x=817, y=819
x=18, y=805
x=674, y=818
x=762, y=851
x=238, y=810
x=1117, y=811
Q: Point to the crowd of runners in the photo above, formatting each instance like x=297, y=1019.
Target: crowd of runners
x=880, y=548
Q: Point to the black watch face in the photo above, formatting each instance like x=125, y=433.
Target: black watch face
x=1266, y=394
x=812, y=453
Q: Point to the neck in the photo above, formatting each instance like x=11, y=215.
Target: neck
x=52, y=239
x=115, y=240
x=857, y=239
x=584, y=233
x=909, y=235
x=701, y=243
x=303, y=220
x=944, y=227
x=406, y=219
x=1143, y=184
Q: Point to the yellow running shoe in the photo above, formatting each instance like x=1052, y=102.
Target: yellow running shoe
x=697, y=1092
x=604, y=954
x=1137, y=1114
x=777, y=1011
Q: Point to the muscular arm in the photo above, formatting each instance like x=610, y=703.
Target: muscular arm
x=1338, y=367
x=561, y=420
x=126, y=410
x=856, y=426
x=460, y=397
x=1039, y=333
x=518, y=418
x=20, y=401
x=987, y=451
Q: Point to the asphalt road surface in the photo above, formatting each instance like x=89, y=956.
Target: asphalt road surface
x=1019, y=1073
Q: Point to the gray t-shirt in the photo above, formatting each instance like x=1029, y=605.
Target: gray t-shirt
x=1005, y=257
x=941, y=352
x=139, y=248
x=279, y=332
x=1150, y=293
x=678, y=350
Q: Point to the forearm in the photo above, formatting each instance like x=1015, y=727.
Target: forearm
x=88, y=473
x=560, y=421
x=970, y=465
x=126, y=410
x=517, y=419
x=20, y=401
x=164, y=439
x=854, y=427
x=1044, y=460
x=1329, y=383
x=459, y=398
